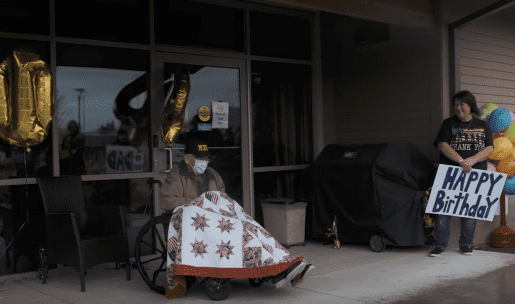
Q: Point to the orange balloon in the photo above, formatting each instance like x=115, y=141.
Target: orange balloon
x=503, y=148
x=507, y=166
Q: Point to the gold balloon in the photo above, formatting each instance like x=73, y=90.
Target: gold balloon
x=486, y=110
x=173, y=114
x=26, y=99
x=502, y=148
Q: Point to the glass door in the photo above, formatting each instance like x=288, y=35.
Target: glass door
x=215, y=112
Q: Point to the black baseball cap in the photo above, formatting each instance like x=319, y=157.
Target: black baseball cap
x=198, y=148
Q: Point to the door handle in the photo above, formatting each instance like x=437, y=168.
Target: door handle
x=169, y=155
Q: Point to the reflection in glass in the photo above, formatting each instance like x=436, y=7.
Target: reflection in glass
x=281, y=114
x=16, y=203
x=228, y=164
x=16, y=162
x=132, y=194
x=99, y=129
x=278, y=184
x=208, y=85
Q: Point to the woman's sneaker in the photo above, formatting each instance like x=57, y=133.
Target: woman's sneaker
x=437, y=251
x=466, y=250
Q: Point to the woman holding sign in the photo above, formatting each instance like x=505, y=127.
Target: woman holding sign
x=466, y=141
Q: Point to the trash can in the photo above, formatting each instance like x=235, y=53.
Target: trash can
x=285, y=219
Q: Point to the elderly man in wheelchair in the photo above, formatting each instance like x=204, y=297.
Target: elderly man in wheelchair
x=204, y=219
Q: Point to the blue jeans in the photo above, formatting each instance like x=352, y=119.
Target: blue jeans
x=441, y=232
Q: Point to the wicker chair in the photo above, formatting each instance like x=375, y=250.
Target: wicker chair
x=80, y=237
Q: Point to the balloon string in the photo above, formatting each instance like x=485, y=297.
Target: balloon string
x=3, y=253
x=26, y=202
x=26, y=184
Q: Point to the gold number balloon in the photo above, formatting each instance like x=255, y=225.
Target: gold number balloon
x=26, y=99
x=173, y=114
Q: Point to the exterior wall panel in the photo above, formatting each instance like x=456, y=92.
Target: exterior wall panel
x=383, y=91
x=485, y=65
x=486, y=56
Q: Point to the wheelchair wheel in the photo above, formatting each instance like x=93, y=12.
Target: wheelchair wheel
x=256, y=282
x=218, y=289
x=152, y=267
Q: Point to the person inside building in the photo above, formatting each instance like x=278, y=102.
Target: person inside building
x=123, y=138
x=191, y=179
x=466, y=141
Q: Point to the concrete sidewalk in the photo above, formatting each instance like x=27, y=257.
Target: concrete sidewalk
x=353, y=274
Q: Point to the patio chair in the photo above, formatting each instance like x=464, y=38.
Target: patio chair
x=80, y=237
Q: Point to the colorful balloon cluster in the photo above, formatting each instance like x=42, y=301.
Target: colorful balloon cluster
x=502, y=159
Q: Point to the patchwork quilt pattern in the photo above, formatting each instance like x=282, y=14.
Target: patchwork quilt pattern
x=212, y=236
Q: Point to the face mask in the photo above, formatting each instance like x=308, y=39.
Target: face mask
x=200, y=166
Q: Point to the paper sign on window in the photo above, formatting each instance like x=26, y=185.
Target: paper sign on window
x=220, y=115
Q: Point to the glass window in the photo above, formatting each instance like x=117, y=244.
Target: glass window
x=22, y=254
x=25, y=16
x=132, y=194
x=209, y=85
x=16, y=202
x=281, y=114
x=279, y=184
x=280, y=36
x=102, y=108
x=16, y=161
x=112, y=20
x=189, y=23
x=228, y=164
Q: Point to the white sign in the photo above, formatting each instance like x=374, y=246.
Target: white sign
x=220, y=115
x=121, y=159
x=474, y=195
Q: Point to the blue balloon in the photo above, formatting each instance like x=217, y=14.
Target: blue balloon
x=499, y=120
x=509, y=186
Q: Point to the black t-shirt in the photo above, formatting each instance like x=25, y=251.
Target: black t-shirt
x=466, y=138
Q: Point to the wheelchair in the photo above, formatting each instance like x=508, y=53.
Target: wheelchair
x=153, y=267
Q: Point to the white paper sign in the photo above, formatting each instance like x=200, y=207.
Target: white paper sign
x=474, y=195
x=121, y=159
x=220, y=115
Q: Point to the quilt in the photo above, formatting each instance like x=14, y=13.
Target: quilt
x=212, y=236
